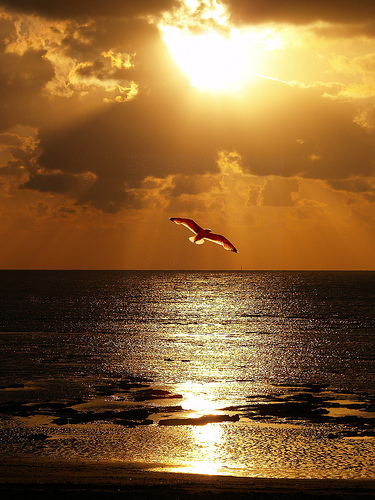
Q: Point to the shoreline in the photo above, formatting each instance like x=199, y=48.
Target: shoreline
x=94, y=479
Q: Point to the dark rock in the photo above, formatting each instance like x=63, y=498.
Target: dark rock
x=14, y=408
x=125, y=385
x=206, y=419
x=15, y=386
x=331, y=435
x=60, y=421
x=149, y=394
x=51, y=406
x=105, y=390
x=136, y=414
x=289, y=410
x=166, y=409
x=37, y=437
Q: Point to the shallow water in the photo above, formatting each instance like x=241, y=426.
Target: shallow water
x=291, y=353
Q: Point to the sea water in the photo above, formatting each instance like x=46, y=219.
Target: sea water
x=291, y=355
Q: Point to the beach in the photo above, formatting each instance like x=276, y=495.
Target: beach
x=64, y=479
x=187, y=385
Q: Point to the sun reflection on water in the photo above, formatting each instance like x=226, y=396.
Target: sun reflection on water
x=200, y=404
x=208, y=440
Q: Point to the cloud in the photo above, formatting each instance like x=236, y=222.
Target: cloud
x=20, y=152
x=65, y=211
x=329, y=31
x=9, y=139
x=83, y=9
x=59, y=182
x=149, y=136
x=7, y=31
x=279, y=192
x=300, y=11
x=101, y=133
x=105, y=57
x=356, y=185
x=110, y=196
x=22, y=79
x=54, y=73
x=303, y=133
x=193, y=184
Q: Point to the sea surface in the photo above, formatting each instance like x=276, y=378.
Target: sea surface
x=264, y=374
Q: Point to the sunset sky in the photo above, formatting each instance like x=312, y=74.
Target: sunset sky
x=254, y=118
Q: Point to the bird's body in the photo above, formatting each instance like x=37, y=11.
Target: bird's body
x=203, y=234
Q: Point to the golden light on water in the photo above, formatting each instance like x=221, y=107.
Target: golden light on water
x=200, y=403
x=207, y=441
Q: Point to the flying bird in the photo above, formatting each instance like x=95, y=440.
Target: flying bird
x=204, y=234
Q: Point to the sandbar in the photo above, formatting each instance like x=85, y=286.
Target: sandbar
x=58, y=479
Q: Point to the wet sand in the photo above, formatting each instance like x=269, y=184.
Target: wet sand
x=94, y=480
x=49, y=447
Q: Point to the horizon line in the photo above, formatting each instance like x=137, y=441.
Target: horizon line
x=187, y=270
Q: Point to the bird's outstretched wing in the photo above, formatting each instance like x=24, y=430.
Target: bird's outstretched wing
x=220, y=240
x=193, y=226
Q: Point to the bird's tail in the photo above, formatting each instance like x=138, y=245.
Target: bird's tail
x=198, y=242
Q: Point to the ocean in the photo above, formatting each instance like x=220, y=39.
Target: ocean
x=257, y=374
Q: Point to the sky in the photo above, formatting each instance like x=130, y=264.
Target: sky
x=254, y=118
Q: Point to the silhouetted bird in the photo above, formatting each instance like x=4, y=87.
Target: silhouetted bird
x=204, y=234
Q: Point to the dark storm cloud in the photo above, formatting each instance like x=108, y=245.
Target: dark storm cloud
x=69, y=9
x=352, y=185
x=151, y=135
x=65, y=211
x=23, y=152
x=81, y=40
x=278, y=129
x=300, y=11
x=278, y=192
x=12, y=169
x=300, y=133
x=9, y=139
x=96, y=68
x=21, y=80
x=184, y=184
x=109, y=195
x=23, y=156
x=7, y=32
x=149, y=59
x=53, y=183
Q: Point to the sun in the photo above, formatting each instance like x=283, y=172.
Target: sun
x=210, y=60
x=215, y=55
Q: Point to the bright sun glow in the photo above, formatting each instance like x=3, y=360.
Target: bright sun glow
x=216, y=62
x=210, y=60
x=220, y=57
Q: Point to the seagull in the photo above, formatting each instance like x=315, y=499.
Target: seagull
x=203, y=234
